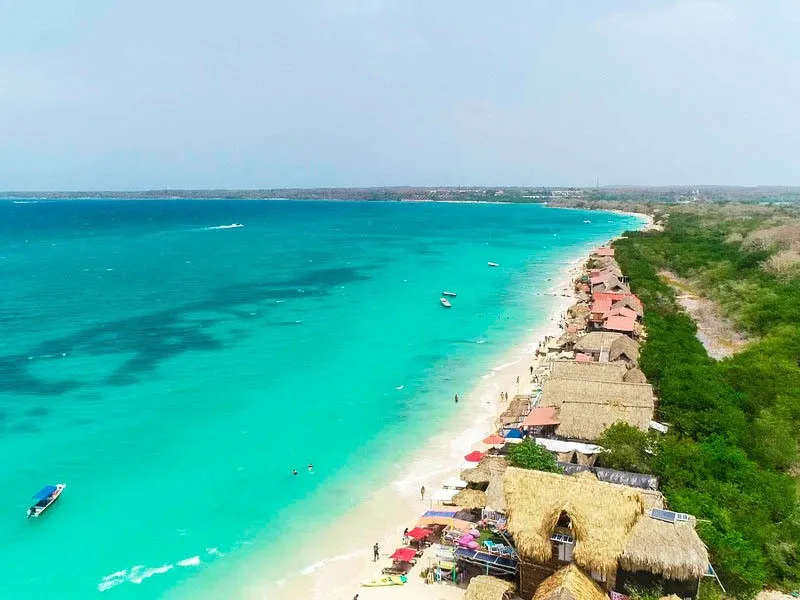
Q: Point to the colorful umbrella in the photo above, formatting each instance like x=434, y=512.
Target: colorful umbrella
x=494, y=440
x=474, y=456
x=418, y=533
x=404, y=554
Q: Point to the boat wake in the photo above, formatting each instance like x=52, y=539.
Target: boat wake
x=138, y=573
x=231, y=226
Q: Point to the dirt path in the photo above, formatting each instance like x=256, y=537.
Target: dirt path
x=718, y=334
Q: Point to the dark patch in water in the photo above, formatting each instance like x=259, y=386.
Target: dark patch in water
x=37, y=411
x=158, y=336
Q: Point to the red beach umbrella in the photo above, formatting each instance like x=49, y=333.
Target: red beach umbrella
x=474, y=456
x=418, y=533
x=404, y=554
x=495, y=440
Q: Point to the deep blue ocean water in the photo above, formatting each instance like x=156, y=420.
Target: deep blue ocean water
x=172, y=372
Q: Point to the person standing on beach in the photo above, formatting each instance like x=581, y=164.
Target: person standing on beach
x=422, y=493
x=376, y=552
x=531, y=369
x=456, y=398
x=405, y=536
x=517, y=379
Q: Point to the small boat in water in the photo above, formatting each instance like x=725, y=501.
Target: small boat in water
x=587, y=221
x=493, y=264
x=44, y=498
x=451, y=294
x=445, y=302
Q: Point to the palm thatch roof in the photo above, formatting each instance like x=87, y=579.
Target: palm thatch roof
x=578, y=309
x=517, y=408
x=634, y=376
x=672, y=550
x=495, y=496
x=586, y=411
x=593, y=371
x=485, y=587
x=631, y=303
x=596, y=341
x=565, y=339
x=488, y=468
x=569, y=583
x=625, y=347
x=602, y=515
x=470, y=499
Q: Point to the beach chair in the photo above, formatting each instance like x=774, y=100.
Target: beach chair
x=498, y=549
x=489, y=544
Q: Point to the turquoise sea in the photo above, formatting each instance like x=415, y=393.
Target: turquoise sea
x=173, y=372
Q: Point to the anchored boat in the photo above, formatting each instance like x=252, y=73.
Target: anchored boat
x=451, y=294
x=445, y=302
x=44, y=498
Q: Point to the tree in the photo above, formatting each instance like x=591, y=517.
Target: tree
x=530, y=455
x=626, y=448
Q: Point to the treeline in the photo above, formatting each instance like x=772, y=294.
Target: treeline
x=732, y=444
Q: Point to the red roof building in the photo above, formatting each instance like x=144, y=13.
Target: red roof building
x=603, y=251
x=541, y=416
x=583, y=358
x=619, y=323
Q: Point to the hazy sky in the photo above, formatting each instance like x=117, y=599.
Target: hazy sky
x=140, y=94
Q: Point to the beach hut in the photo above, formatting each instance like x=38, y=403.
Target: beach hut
x=626, y=325
x=663, y=548
x=597, y=344
x=624, y=349
x=486, y=587
x=634, y=376
x=586, y=410
x=604, y=251
x=488, y=468
x=558, y=519
x=541, y=421
x=516, y=411
x=470, y=498
x=590, y=372
x=569, y=583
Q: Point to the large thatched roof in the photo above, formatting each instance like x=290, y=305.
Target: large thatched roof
x=602, y=515
x=488, y=468
x=470, y=499
x=634, y=376
x=586, y=411
x=495, y=497
x=596, y=341
x=485, y=587
x=625, y=347
x=672, y=550
x=593, y=371
x=569, y=583
x=578, y=309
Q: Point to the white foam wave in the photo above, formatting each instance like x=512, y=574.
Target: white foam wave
x=503, y=366
x=326, y=561
x=214, y=552
x=192, y=561
x=231, y=226
x=399, y=387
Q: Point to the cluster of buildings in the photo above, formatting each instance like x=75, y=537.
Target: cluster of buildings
x=588, y=532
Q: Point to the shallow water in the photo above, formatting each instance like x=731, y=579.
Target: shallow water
x=173, y=373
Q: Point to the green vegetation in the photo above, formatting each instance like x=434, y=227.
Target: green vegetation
x=627, y=448
x=733, y=438
x=529, y=455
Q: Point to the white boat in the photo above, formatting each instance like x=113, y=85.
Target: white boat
x=493, y=264
x=231, y=226
x=44, y=498
x=587, y=221
x=445, y=302
x=451, y=294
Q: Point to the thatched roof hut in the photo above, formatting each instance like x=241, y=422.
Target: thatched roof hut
x=596, y=341
x=470, y=499
x=630, y=302
x=602, y=515
x=516, y=410
x=488, y=468
x=672, y=550
x=586, y=411
x=569, y=583
x=578, y=310
x=634, y=376
x=485, y=587
x=590, y=371
x=636, y=480
x=624, y=348
x=495, y=495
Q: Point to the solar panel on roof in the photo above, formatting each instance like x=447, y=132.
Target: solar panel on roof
x=668, y=516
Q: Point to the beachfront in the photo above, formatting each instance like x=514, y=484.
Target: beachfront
x=485, y=529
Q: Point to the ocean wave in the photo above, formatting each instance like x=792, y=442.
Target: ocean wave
x=231, y=226
x=138, y=573
x=326, y=561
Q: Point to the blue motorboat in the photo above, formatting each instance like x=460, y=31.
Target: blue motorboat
x=44, y=498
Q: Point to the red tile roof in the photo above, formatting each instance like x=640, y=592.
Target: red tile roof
x=583, y=358
x=618, y=323
x=602, y=251
x=542, y=415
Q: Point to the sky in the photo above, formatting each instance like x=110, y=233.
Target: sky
x=202, y=94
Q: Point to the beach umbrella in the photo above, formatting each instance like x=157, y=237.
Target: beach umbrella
x=418, y=533
x=474, y=456
x=494, y=440
x=404, y=554
x=514, y=434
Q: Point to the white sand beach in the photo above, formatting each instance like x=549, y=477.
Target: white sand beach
x=347, y=544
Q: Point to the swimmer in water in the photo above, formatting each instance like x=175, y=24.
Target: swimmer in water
x=294, y=471
x=310, y=468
